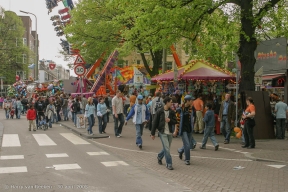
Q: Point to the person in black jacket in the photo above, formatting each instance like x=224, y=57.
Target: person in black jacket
x=163, y=121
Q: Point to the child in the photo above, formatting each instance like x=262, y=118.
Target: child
x=209, y=120
x=31, y=116
x=12, y=112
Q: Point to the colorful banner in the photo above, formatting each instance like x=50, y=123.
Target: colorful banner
x=138, y=77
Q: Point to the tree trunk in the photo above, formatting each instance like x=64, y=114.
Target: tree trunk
x=248, y=45
x=157, y=61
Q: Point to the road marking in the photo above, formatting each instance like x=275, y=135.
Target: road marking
x=148, y=152
x=277, y=166
x=114, y=163
x=11, y=157
x=66, y=166
x=56, y=155
x=13, y=169
x=74, y=139
x=43, y=140
x=11, y=140
x=98, y=153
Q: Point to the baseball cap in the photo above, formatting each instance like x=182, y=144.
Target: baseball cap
x=189, y=97
x=140, y=97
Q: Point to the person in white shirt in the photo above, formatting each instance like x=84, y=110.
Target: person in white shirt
x=117, y=106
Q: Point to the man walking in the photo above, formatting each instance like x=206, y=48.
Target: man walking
x=163, y=121
x=186, y=128
x=281, y=111
x=199, y=106
x=65, y=108
x=117, y=106
x=141, y=117
x=157, y=103
x=226, y=117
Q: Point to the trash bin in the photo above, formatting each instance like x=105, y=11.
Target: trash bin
x=80, y=122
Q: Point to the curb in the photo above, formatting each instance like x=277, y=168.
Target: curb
x=82, y=135
x=251, y=157
x=1, y=133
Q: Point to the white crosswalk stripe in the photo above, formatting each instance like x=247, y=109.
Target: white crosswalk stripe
x=97, y=153
x=22, y=169
x=44, y=140
x=56, y=155
x=11, y=157
x=74, y=139
x=114, y=163
x=11, y=140
x=66, y=166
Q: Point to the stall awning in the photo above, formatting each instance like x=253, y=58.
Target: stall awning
x=206, y=74
x=167, y=76
x=270, y=77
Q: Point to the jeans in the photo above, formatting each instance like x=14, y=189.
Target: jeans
x=249, y=133
x=280, y=128
x=126, y=106
x=225, y=128
x=65, y=113
x=166, y=142
x=118, y=129
x=91, y=122
x=55, y=118
x=209, y=132
x=192, y=142
x=58, y=115
x=102, y=123
x=50, y=122
x=18, y=113
x=7, y=114
x=139, y=133
x=186, y=139
x=75, y=117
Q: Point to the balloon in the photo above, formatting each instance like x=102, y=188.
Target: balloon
x=239, y=134
x=237, y=129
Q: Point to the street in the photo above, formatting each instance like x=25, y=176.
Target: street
x=59, y=160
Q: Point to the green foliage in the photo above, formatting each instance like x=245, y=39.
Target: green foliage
x=12, y=48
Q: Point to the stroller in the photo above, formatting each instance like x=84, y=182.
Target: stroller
x=42, y=123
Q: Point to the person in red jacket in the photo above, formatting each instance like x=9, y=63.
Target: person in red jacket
x=31, y=117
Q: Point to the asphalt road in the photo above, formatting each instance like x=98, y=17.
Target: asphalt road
x=59, y=160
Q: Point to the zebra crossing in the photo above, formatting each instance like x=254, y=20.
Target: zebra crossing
x=43, y=140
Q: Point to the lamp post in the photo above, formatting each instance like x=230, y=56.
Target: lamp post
x=236, y=70
x=36, y=45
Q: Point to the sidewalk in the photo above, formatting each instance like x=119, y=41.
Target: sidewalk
x=266, y=150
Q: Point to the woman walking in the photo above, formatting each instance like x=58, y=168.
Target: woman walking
x=102, y=115
x=90, y=114
x=248, y=117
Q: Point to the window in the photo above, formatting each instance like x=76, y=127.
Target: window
x=24, y=60
x=169, y=65
x=138, y=62
x=24, y=41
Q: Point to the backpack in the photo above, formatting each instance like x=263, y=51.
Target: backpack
x=158, y=104
x=40, y=106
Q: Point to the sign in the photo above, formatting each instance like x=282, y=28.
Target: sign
x=79, y=70
x=79, y=60
x=138, y=77
x=52, y=66
x=232, y=86
x=258, y=80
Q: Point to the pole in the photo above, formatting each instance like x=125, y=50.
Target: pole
x=237, y=80
x=81, y=91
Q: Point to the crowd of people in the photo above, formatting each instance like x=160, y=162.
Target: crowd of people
x=165, y=116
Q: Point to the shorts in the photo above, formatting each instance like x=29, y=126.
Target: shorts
x=1, y=104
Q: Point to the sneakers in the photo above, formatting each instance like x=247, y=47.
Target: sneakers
x=187, y=162
x=169, y=167
x=226, y=142
x=180, y=155
x=140, y=146
x=34, y=129
x=118, y=136
x=159, y=161
x=216, y=147
x=202, y=147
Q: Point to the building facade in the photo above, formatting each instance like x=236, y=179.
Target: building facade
x=48, y=74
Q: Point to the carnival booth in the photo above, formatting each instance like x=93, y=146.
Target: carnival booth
x=197, y=77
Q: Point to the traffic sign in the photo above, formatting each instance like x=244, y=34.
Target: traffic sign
x=232, y=86
x=79, y=70
x=79, y=60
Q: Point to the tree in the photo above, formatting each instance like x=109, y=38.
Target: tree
x=14, y=55
x=184, y=18
x=98, y=26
